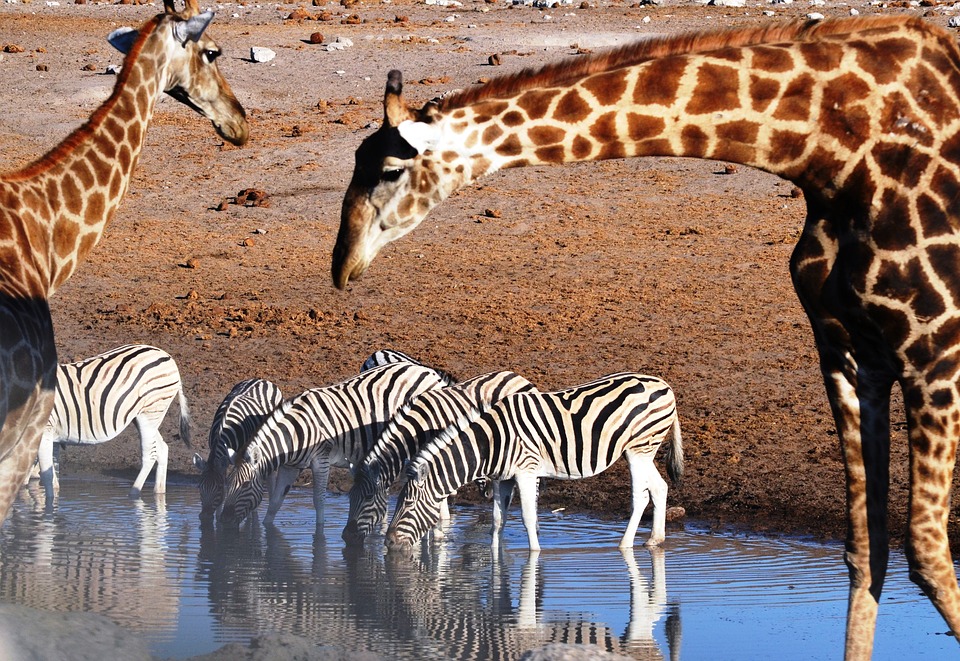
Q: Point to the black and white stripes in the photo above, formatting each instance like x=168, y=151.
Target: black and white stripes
x=568, y=434
x=99, y=397
x=418, y=421
x=334, y=425
x=236, y=420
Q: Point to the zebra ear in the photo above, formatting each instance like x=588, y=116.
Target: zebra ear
x=199, y=463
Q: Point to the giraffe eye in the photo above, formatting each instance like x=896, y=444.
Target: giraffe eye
x=210, y=55
x=391, y=174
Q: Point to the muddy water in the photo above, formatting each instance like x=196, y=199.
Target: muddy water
x=149, y=567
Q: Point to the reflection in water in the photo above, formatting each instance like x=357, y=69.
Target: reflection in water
x=435, y=604
x=150, y=567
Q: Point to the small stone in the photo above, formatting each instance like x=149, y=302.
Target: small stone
x=492, y=213
x=494, y=60
x=248, y=242
x=191, y=263
x=298, y=14
x=13, y=48
x=675, y=513
x=730, y=168
x=193, y=295
x=223, y=205
x=316, y=38
x=796, y=192
x=260, y=54
x=88, y=67
x=352, y=19
x=43, y=67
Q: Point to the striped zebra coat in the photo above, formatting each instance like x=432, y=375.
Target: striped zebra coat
x=569, y=434
x=419, y=420
x=322, y=427
x=98, y=397
x=236, y=420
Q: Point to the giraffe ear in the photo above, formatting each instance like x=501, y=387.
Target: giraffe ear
x=192, y=28
x=419, y=135
x=122, y=39
x=395, y=110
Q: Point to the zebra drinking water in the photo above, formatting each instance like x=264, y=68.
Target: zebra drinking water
x=569, y=434
x=333, y=425
x=237, y=419
x=419, y=420
x=98, y=397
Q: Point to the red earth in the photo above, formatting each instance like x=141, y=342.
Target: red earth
x=672, y=267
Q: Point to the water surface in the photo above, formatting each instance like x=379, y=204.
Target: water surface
x=149, y=566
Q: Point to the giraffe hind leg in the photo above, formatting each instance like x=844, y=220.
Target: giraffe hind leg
x=933, y=457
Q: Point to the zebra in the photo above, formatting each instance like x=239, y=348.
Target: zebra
x=333, y=425
x=389, y=356
x=237, y=419
x=420, y=419
x=98, y=397
x=568, y=434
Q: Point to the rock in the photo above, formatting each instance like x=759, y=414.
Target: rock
x=567, y=652
x=316, y=38
x=261, y=54
x=675, y=513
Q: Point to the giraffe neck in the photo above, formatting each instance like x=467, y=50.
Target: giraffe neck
x=66, y=198
x=791, y=108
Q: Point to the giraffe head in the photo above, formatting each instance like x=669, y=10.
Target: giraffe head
x=396, y=181
x=192, y=76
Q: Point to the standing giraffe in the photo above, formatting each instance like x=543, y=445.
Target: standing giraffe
x=53, y=211
x=863, y=115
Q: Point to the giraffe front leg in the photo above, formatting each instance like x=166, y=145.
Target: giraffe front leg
x=933, y=448
x=862, y=414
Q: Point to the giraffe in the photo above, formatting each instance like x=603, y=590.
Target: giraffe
x=863, y=115
x=54, y=210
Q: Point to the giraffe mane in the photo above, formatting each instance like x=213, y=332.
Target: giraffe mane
x=58, y=153
x=564, y=72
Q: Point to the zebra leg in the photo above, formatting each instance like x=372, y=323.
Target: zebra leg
x=642, y=474
x=149, y=439
x=502, y=496
x=163, y=454
x=527, y=486
x=48, y=476
x=321, y=475
x=280, y=485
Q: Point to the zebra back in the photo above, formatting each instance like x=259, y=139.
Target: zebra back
x=98, y=397
x=335, y=424
x=383, y=357
x=414, y=424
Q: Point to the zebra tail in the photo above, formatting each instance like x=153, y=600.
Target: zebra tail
x=185, y=434
x=674, y=454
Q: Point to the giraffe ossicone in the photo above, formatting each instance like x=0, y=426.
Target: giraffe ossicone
x=863, y=115
x=53, y=211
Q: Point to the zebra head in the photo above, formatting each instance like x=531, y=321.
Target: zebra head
x=368, y=503
x=210, y=485
x=244, y=491
x=418, y=509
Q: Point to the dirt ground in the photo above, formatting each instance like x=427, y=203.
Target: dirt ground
x=672, y=267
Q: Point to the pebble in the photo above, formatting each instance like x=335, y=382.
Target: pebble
x=261, y=54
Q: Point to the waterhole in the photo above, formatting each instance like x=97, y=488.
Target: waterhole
x=186, y=590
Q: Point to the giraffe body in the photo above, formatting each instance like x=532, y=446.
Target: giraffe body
x=54, y=210
x=863, y=115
